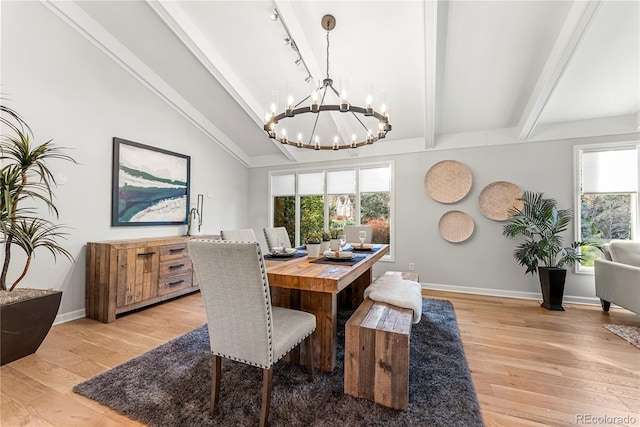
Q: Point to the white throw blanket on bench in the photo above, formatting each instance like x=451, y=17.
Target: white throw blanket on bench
x=397, y=291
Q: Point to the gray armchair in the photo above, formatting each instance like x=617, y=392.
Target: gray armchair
x=351, y=232
x=274, y=236
x=243, y=326
x=617, y=275
x=239, y=235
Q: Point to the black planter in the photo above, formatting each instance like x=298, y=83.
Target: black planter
x=552, y=284
x=25, y=324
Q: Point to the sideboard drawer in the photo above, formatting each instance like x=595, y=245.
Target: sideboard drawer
x=171, y=252
x=174, y=283
x=176, y=266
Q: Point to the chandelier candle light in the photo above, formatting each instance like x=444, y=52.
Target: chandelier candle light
x=317, y=105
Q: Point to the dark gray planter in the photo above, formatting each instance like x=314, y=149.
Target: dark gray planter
x=25, y=324
x=552, y=284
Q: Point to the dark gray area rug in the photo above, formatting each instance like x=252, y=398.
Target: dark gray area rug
x=170, y=385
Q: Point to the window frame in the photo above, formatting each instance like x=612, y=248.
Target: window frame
x=390, y=256
x=577, y=208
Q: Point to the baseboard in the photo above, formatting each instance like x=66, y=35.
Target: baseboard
x=67, y=317
x=570, y=299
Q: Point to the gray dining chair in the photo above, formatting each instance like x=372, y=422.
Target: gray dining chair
x=242, y=324
x=274, y=235
x=351, y=232
x=239, y=235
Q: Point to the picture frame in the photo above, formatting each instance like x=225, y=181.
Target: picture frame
x=150, y=186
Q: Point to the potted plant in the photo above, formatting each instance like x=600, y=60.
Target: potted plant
x=326, y=239
x=540, y=222
x=26, y=315
x=334, y=242
x=312, y=241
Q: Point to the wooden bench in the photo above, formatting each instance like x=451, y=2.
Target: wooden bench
x=376, y=358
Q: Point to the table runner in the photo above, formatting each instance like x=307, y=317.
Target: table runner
x=346, y=262
x=356, y=249
x=285, y=258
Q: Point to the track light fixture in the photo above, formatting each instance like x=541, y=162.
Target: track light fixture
x=317, y=105
x=274, y=16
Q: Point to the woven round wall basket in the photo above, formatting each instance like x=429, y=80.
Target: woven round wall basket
x=497, y=198
x=448, y=181
x=456, y=226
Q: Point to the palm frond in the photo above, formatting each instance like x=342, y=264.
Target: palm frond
x=541, y=223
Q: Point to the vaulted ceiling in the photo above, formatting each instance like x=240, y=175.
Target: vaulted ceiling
x=453, y=73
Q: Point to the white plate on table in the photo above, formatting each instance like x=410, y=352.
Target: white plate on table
x=287, y=252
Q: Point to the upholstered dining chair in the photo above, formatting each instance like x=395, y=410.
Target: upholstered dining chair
x=274, y=235
x=242, y=324
x=239, y=235
x=351, y=232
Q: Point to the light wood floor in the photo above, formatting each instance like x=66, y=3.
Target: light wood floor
x=530, y=366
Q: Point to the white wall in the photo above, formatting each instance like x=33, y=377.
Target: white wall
x=483, y=263
x=69, y=91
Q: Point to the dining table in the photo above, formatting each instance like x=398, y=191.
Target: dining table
x=321, y=286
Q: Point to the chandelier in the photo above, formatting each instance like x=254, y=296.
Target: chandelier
x=317, y=102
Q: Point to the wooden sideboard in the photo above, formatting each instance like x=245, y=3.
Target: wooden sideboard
x=123, y=275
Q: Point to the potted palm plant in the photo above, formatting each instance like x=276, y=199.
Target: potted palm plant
x=26, y=181
x=540, y=222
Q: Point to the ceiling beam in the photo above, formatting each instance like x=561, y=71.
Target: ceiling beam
x=186, y=30
x=86, y=26
x=431, y=21
x=572, y=32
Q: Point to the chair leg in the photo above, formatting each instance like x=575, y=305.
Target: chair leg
x=605, y=305
x=267, y=375
x=215, y=383
x=309, y=350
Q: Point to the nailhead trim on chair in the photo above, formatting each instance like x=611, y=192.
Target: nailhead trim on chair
x=255, y=364
x=265, y=285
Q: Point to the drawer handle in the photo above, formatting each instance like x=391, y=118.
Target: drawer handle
x=176, y=283
x=173, y=251
x=173, y=267
x=146, y=253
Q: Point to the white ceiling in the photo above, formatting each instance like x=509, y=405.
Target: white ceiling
x=445, y=69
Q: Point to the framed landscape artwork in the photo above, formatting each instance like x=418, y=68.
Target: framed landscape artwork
x=150, y=185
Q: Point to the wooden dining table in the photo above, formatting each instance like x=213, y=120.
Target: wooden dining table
x=301, y=284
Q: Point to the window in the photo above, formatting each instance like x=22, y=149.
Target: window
x=311, y=193
x=607, y=197
x=330, y=199
x=341, y=189
x=283, y=191
x=375, y=202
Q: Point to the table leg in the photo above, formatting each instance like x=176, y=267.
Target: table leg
x=324, y=306
x=352, y=296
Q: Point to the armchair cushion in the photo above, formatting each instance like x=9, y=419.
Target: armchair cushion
x=625, y=252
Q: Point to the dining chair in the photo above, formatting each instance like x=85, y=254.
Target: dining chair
x=351, y=232
x=242, y=324
x=239, y=235
x=274, y=235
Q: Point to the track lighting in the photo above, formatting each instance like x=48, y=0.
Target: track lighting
x=274, y=16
